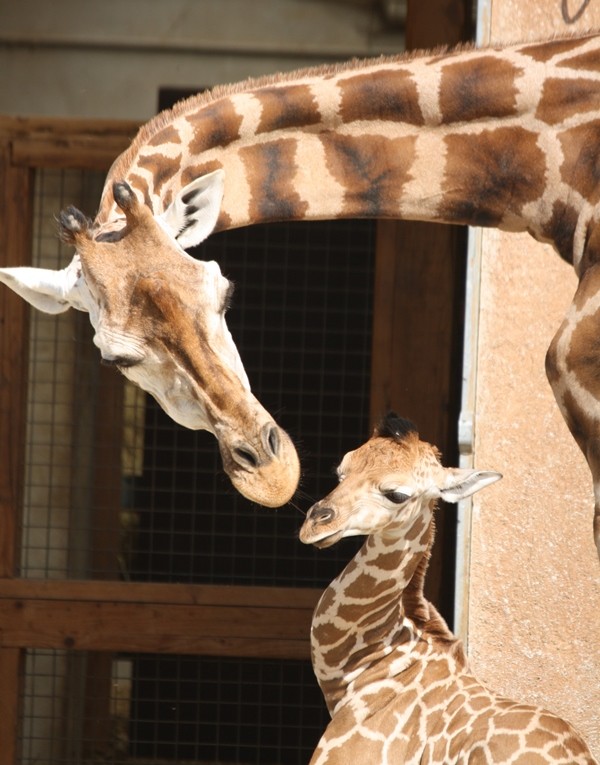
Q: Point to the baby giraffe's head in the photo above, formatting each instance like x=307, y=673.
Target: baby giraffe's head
x=386, y=484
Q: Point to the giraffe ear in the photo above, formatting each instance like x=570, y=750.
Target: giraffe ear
x=194, y=212
x=47, y=290
x=460, y=484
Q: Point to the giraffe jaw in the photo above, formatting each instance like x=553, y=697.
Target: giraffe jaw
x=325, y=541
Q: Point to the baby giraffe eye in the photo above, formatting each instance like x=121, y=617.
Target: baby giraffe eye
x=395, y=496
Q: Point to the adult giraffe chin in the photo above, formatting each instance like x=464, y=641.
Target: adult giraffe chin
x=506, y=138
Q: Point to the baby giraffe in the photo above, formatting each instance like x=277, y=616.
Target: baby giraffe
x=395, y=679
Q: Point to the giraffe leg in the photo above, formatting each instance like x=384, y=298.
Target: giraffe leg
x=573, y=370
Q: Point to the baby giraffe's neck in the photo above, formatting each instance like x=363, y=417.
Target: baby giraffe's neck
x=373, y=620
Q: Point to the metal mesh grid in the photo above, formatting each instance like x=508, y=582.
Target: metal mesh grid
x=161, y=709
x=49, y=524
x=301, y=318
x=117, y=490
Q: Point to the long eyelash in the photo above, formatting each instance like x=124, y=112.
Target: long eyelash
x=119, y=362
x=227, y=300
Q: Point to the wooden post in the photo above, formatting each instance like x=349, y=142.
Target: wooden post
x=16, y=191
x=418, y=314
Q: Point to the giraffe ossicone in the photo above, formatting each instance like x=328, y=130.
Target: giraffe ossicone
x=395, y=679
x=497, y=137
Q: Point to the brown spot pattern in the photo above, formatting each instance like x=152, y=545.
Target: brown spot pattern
x=588, y=62
x=141, y=184
x=466, y=94
x=192, y=171
x=581, y=165
x=327, y=634
x=504, y=745
x=546, y=51
x=491, y=173
x=163, y=168
x=366, y=586
x=387, y=94
x=292, y=106
x=217, y=124
x=531, y=758
x=516, y=719
x=372, y=169
x=562, y=99
x=269, y=168
x=560, y=229
x=336, y=655
x=166, y=135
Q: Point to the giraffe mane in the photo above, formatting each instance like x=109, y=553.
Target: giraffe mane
x=395, y=427
x=199, y=100
x=206, y=97
x=423, y=613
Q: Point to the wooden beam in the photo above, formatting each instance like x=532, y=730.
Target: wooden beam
x=207, y=620
x=159, y=593
x=61, y=143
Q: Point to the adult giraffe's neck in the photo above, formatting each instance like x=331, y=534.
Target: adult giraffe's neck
x=480, y=137
x=371, y=619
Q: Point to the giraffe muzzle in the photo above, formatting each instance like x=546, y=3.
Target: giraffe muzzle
x=316, y=527
x=320, y=514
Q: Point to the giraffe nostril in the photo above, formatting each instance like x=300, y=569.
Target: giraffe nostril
x=270, y=436
x=246, y=457
x=321, y=514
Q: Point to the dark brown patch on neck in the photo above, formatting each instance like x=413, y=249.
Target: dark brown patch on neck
x=562, y=99
x=286, y=107
x=478, y=88
x=589, y=61
x=270, y=167
x=141, y=184
x=581, y=165
x=560, y=229
x=216, y=124
x=372, y=169
x=163, y=168
x=166, y=135
x=545, y=51
x=491, y=173
x=388, y=94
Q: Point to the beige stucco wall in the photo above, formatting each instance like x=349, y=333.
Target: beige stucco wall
x=534, y=596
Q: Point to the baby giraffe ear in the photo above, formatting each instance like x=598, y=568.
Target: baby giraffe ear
x=460, y=484
x=194, y=212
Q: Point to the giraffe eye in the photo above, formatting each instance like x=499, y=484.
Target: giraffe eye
x=395, y=496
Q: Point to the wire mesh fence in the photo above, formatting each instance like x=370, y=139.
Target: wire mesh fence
x=116, y=490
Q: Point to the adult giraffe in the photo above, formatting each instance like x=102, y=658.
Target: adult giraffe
x=502, y=137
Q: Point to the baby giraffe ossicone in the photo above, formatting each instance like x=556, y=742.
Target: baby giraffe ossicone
x=395, y=679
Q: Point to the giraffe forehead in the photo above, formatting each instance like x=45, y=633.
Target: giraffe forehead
x=379, y=457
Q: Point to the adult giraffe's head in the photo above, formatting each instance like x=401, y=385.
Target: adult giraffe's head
x=159, y=316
